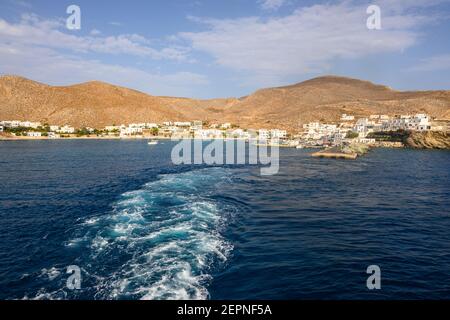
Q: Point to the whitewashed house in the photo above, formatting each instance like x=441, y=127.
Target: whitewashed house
x=66, y=129
x=28, y=124
x=237, y=133
x=130, y=131
x=420, y=122
x=278, y=134
x=196, y=125
x=11, y=124
x=366, y=140
x=208, y=134
x=346, y=117
x=34, y=134
x=363, y=126
x=112, y=128
x=263, y=134
x=338, y=138
x=182, y=124
x=317, y=131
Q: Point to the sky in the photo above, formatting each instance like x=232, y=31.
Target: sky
x=226, y=48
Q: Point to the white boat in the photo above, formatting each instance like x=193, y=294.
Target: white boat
x=299, y=146
x=152, y=143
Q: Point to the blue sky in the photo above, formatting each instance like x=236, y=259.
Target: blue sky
x=218, y=48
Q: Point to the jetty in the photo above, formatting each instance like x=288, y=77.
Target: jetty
x=335, y=153
x=351, y=151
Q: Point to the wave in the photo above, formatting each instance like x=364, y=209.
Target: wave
x=163, y=241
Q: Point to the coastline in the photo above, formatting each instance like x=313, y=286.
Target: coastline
x=78, y=138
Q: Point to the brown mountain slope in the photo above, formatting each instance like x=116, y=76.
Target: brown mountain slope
x=97, y=104
x=88, y=104
x=326, y=98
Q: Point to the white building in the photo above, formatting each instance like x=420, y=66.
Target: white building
x=318, y=131
x=137, y=125
x=263, y=134
x=34, y=134
x=363, y=126
x=366, y=140
x=130, y=131
x=177, y=132
x=196, y=125
x=54, y=128
x=11, y=124
x=182, y=124
x=338, y=137
x=28, y=124
x=346, y=117
x=418, y=122
x=112, y=128
x=238, y=133
x=226, y=126
x=66, y=129
x=208, y=134
x=278, y=134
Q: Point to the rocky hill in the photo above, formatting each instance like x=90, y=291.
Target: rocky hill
x=97, y=104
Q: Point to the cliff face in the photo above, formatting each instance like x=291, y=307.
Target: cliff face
x=428, y=140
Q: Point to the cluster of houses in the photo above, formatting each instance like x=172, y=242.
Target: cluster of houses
x=37, y=129
x=316, y=133
x=194, y=129
x=180, y=130
x=313, y=134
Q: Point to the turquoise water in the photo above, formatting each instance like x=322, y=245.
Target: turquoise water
x=141, y=228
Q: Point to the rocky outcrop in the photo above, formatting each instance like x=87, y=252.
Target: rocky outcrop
x=428, y=140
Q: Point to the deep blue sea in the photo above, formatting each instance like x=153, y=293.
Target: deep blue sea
x=140, y=227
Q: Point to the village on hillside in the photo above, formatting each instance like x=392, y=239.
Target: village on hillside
x=371, y=131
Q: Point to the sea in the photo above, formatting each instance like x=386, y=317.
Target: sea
x=127, y=224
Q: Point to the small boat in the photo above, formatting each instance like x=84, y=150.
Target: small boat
x=299, y=147
x=152, y=143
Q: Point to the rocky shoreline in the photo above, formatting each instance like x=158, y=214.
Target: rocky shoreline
x=428, y=140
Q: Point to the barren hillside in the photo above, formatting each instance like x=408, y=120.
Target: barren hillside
x=97, y=104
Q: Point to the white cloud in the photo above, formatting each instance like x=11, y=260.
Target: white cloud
x=307, y=40
x=271, y=4
x=44, y=51
x=435, y=63
x=21, y=3
x=32, y=30
x=95, y=32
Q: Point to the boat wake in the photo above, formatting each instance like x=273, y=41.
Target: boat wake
x=160, y=242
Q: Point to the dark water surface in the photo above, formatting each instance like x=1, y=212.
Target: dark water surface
x=142, y=228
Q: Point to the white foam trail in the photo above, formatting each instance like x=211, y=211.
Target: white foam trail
x=160, y=242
